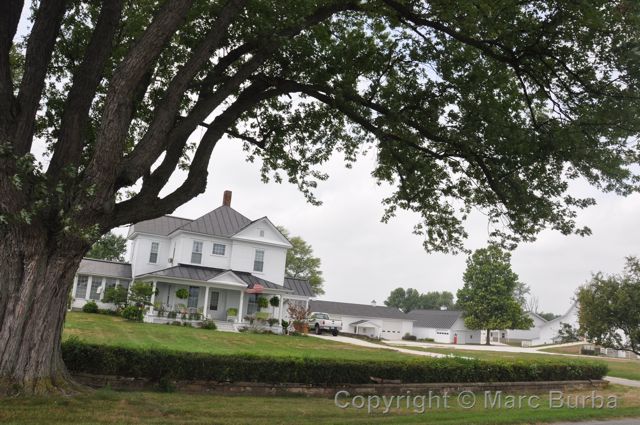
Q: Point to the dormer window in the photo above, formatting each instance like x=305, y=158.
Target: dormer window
x=219, y=249
x=196, y=252
x=258, y=262
x=153, y=255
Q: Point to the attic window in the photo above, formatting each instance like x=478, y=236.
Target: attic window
x=261, y=233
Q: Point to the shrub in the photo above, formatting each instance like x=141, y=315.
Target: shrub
x=409, y=337
x=141, y=293
x=133, y=313
x=209, y=324
x=158, y=364
x=272, y=322
x=116, y=295
x=90, y=307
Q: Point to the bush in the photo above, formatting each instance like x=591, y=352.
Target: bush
x=90, y=307
x=163, y=364
x=208, y=324
x=409, y=337
x=133, y=313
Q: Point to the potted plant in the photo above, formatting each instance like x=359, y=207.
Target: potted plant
x=262, y=302
x=182, y=293
x=274, y=301
x=232, y=314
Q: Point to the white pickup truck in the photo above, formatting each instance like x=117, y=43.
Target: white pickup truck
x=322, y=322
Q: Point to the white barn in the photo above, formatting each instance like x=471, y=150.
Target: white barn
x=444, y=326
x=365, y=319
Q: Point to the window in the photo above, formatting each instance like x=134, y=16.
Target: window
x=153, y=255
x=219, y=249
x=258, y=262
x=213, y=303
x=109, y=283
x=96, y=284
x=81, y=287
x=192, y=302
x=124, y=283
x=196, y=252
x=252, y=305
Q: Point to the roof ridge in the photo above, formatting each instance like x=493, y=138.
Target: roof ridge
x=106, y=261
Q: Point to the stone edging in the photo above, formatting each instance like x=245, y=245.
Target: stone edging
x=266, y=389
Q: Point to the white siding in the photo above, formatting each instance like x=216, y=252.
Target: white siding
x=184, y=247
x=141, y=248
x=274, y=260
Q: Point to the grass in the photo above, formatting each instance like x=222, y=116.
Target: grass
x=110, y=407
x=115, y=331
x=629, y=369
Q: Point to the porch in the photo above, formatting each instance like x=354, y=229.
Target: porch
x=228, y=300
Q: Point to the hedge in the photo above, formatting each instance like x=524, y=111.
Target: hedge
x=160, y=365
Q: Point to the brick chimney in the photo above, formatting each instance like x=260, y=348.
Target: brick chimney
x=226, y=198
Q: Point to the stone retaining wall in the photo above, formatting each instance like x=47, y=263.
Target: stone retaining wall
x=265, y=389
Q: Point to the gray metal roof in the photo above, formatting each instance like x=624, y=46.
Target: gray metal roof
x=358, y=310
x=299, y=286
x=159, y=226
x=440, y=319
x=204, y=274
x=90, y=266
x=223, y=221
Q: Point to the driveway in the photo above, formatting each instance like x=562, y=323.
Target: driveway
x=363, y=343
x=470, y=347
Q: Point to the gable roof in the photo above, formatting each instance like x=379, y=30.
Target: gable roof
x=223, y=221
x=204, y=274
x=91, y=266
x=441, y=319
x=361, y=310
x=159, y=226
x=299, y=286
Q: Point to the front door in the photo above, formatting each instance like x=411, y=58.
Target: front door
x=193, y=296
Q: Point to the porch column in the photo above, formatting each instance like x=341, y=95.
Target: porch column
x=75, y=286
x=239, y=318
x=280, y=308
x=205, y=309
x=153, y=295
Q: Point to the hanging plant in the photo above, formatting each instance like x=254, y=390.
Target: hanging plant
x=274, y=301
x=263, y=302
x=182, y=293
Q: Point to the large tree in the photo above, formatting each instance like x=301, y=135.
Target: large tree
x=609, y=309
x=492, y=105
x=110, y=247
x=490, y=294
x=301, y=263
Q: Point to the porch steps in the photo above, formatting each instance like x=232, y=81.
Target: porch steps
x=225, y=326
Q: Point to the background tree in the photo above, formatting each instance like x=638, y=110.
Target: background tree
x=567, y=333
x=110, y=247
x=491, y=106
x=411, y=299
x=302, y=264
x=608, y=309
x=488, y=297
x=548, y=316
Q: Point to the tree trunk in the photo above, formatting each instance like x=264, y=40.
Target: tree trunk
x=488, y=336
x=34, y=287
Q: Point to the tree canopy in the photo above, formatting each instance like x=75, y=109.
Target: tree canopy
x=609, y=308
x=110, y=247
x=411, y=299
x=489, y=297
x=494, y=105
x=301, y=263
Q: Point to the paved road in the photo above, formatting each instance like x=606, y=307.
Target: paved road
x=629, y=421
x=622, y=381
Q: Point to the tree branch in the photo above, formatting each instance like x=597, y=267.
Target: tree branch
x=39, y=49
x=85, y=84
x=9, y=17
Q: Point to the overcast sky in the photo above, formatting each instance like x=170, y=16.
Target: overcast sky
x=364, y=259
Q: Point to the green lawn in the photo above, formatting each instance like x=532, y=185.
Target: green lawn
x=109, y=407
x=111, y=330
x=620, y=368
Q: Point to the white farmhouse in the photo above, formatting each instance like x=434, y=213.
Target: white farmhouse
x=223, y=260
